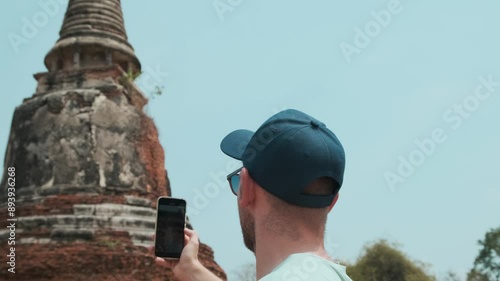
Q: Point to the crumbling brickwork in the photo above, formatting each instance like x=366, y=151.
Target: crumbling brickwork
x=89, y=164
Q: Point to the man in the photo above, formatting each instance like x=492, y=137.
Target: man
x=293, y=168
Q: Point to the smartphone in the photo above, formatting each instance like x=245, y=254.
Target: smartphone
x=170, y=224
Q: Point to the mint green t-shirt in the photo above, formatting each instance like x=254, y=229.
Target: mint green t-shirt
x=307, y=267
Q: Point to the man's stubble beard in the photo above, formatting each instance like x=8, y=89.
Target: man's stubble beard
x=247, y=223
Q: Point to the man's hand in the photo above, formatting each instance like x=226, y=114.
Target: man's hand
x=189, y=256
x=188, y=267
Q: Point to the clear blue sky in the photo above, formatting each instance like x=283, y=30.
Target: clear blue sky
x=235, y=68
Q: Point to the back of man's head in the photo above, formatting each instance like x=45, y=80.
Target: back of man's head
x=296, y=160
x=290, y=221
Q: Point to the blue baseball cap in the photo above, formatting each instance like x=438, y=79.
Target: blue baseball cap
x=288, y=152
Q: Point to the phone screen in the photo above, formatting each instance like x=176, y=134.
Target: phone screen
x=170, y=222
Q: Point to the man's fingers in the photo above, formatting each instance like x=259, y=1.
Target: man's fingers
x=191, y=234
x=151, y=248
x=166, y=263
x=160, y=261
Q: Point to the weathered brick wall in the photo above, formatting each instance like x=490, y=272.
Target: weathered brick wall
x=104, y=241
x=91, y=140
x=89, y=169
x=106, y=260
x=89, y=164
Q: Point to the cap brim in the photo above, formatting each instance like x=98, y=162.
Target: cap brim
x=234, y=143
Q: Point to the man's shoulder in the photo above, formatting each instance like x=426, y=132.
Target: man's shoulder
x=306, y=266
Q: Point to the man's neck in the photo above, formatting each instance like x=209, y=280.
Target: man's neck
x=273, y=250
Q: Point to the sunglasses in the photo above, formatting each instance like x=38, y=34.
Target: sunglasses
x=234, y=181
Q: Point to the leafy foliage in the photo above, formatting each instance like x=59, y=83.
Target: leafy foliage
x=131, y=75
x=451, y=276
x=383, y=262
x=487, y=263
x=158, y=91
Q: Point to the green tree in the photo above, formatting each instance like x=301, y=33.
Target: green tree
x=382, y=261
x=451, y=276
x=487, y=263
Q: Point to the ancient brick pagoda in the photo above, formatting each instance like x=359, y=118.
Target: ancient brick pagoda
x=89, y=165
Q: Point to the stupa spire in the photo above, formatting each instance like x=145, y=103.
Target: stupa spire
x=89, y=166
x=93, y=34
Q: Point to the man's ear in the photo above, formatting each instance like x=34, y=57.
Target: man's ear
x=246, y=192
x=333, y=202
